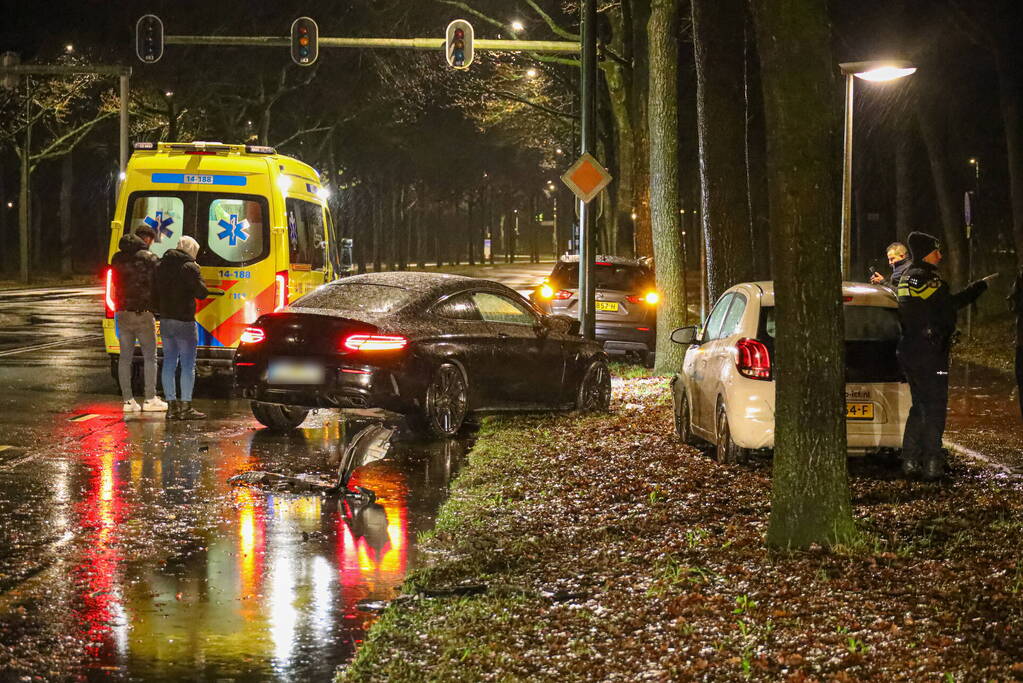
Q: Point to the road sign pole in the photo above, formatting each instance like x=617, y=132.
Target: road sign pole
x=588, y=83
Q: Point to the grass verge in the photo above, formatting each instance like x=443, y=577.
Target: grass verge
x=609, y=551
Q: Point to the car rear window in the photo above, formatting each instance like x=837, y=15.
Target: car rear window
x=624, y=278
x=862, y=323
x=353, y=296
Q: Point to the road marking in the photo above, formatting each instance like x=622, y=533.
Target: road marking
x=83, y=418
x=1004, y=470
x=50, y=345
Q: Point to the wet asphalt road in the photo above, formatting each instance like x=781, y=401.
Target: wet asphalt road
x=125, y=552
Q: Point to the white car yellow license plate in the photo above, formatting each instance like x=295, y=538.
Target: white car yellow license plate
x=286, y=371
x=859, y=411
x=611, y=306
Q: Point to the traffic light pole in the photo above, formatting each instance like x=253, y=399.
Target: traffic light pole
x=545, y=46
x=587, y=222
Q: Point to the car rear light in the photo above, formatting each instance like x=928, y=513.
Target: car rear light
x=374, y=342
x=562, y=294
x=752, y=359
x=108, y=295
x=253, y=335
x=245, y=365
x=602, y=263
x=651, y=298
x=847, y=299
x=281, y=290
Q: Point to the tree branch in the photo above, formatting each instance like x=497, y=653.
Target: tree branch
x=536, y=105
x=551, y=24
x=67, y=141
x=475, y=12
x=299, y=133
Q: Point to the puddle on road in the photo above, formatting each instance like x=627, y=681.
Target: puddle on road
x=267, y=591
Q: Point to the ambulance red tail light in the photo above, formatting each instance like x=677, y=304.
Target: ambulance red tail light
x=108, y=295
x=281, y=290
x=752, y=359
x=253, y=335
x=374, y=342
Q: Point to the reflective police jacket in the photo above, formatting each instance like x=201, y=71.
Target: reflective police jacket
x=927, y=308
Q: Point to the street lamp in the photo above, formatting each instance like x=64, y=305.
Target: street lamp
x=517, y=26
x=875, y=71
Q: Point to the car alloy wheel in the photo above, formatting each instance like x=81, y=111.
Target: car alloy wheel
x=595, y=389
x=278, y=418
x=446, y=401
x=725, y=450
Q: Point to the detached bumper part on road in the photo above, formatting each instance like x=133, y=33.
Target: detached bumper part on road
x=344, y=387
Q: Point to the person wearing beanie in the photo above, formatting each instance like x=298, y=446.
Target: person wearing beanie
x=927, y=311
x=177, y=285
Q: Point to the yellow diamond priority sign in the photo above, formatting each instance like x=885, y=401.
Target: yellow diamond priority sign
x=586, y=178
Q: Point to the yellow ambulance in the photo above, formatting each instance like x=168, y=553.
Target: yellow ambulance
x=261, y=220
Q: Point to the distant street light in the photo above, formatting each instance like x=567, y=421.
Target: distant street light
x=875, y=71
x=517, y=26
x=69, y=48
x=10, y=205
x=531, y=73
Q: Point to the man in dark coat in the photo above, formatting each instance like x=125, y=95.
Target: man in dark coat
x=133, y=268
x=1016, y=306
x=927, y=310
x=898, y=259
x=178, y=284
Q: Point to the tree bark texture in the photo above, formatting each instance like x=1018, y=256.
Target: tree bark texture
x=810, y=500
x=718, y=40
x=66, y=226
x=930, y=116
x=664, y=164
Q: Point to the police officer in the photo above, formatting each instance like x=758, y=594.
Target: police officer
x=927, y=310
x=898, y=259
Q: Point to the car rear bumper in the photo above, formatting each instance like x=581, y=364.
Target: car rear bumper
x=751, y=415
x=344, y=387
x=619, y=338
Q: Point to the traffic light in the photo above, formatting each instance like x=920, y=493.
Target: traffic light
x=149, y=38
x=458, y=44
x=305, y=41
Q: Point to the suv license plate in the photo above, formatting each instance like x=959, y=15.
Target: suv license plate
x=859, y=411
x=607, y=306
x=294, y=372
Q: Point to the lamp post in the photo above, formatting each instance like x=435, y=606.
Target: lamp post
x=876, y=71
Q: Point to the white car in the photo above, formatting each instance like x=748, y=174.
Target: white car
x=725, y=392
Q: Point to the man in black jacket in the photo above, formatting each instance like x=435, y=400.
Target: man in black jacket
x=927, y=310
x=178, y=284
x=898, y=259
x=133, y=268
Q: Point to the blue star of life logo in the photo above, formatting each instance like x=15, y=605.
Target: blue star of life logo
x=233, y=230
x=160, y=226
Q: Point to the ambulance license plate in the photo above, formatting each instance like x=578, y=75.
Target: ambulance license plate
x=607, y=306
x=859, y=411
x=288, y=371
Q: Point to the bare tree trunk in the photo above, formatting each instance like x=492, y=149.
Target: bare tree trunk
x=948, y=206
x=903, y=183
x=66, y=231
x=718, y=38
x=1010, y=90
x=810, y=500
x=664, y=164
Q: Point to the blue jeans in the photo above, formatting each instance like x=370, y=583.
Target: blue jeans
x=179, y=341
x=137, y=326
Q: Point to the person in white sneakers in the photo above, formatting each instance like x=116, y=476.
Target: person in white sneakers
x=133, y=267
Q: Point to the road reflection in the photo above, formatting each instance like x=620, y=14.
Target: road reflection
x=253, y=583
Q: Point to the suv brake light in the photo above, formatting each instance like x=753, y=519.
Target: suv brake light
x=108, y=295
x=562, y=294
x=752, y=359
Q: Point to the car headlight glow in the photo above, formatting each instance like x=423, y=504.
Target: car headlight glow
x=652, y=297
x=546, y=291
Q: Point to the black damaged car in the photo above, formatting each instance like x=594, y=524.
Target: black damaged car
x=433, y=347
